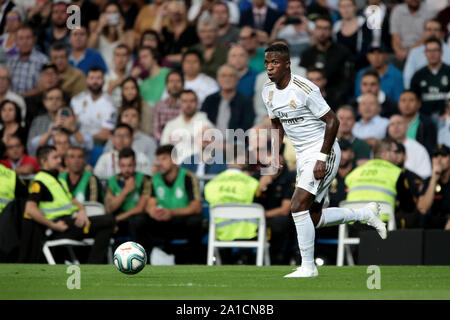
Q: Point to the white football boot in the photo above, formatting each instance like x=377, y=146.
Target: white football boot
x=302, y=272
x=374, y=219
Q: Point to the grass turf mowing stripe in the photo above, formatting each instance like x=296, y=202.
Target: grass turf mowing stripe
x=222, y=282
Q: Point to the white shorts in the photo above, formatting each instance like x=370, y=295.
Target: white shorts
x=306, y=162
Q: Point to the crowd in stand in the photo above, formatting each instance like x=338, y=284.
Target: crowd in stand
x=114, y=97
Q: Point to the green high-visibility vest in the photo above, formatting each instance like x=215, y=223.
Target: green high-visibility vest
x=80, y=190
x=62, y=198
x=7, y=186
x=173, y=197
x=132, y=199
x=375, y=180
x=233, y=187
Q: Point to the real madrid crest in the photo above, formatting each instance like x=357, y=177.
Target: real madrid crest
x=270, y=95
x=438, y=188
x=292, y=104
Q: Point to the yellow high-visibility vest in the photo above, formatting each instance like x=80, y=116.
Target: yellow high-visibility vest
x=233, y=187
x=375, y=180
x=62, y=198
x=7, y=186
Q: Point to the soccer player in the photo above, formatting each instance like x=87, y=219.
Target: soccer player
x=297, y=108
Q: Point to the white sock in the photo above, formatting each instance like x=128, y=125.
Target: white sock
x=305, y=237
x=335, y=216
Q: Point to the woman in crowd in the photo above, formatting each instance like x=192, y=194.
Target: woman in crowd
x=352, y=32
x=109, y=33
x=178, y=35
x=8, y=43
x=131, y=97
x=11, y=121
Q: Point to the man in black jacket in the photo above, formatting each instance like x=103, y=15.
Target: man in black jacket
x=227, y=108
x=335, y=59
x=260, y=16
x=420, y=127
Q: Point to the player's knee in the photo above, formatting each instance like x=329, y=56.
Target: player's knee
x=297, y=205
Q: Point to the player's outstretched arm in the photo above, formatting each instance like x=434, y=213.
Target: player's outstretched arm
x=332, y=125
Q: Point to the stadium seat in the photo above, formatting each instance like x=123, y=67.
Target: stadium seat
x=344, y=241
x=92, y=209
x=237, y=212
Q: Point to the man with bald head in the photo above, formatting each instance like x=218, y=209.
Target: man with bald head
x=417, y=157
x=238, y=57
x=371, y=126
x=227, y=108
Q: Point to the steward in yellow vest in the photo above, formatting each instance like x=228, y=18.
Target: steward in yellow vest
x=11, y=187
x=379, y=179
x=50, y=205
x=233, y=186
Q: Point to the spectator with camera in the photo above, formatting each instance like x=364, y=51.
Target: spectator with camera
x=293, y=27
x=64, y=123
x=109, y=33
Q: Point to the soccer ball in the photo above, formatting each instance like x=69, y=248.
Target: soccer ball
x=130, y=257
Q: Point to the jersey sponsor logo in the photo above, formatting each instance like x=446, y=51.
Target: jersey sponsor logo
x=292, y=120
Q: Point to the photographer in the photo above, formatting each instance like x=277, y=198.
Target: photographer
x=294, y=27
x=64, y=120
x=110, y=33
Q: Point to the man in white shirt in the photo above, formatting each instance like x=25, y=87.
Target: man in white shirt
x=417, y=157
x=94, y=109
x=108, y=163
x=182, y=130
x=114, y=77
x=371, y=126
x=195, y=80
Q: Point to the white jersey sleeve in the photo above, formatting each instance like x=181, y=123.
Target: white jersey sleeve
x=265, y=97
x=317, y=104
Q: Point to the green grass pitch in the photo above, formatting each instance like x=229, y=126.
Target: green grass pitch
x=187, y=282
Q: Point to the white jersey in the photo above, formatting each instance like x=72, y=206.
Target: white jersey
x=299, y=107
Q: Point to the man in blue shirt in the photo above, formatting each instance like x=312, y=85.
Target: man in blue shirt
x=391, y=79
x=81, y=56
x=238, y=57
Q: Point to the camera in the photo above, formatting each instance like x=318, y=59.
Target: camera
x=113, y=19
x=292, y=20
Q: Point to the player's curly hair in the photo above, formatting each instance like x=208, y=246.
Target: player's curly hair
x=279, y=47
